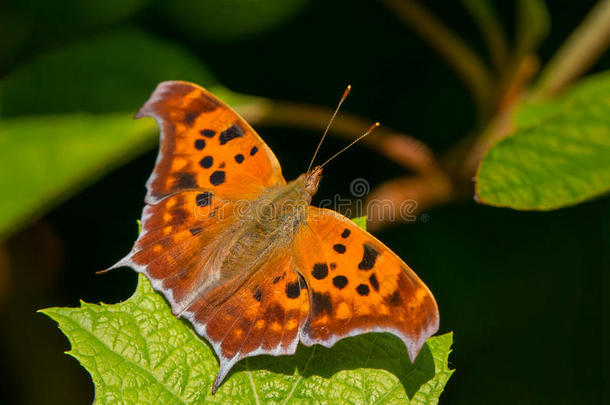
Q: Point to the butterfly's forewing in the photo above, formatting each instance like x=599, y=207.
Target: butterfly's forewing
x=358, y=285
x=192, y=219
x=206, y=145
x=209, y=161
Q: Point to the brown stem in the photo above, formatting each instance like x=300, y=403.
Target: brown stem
x=449, y=45
x=427, y=187
x=486, y=19
x=402, y=149
x=401, y=200
x=584, y=46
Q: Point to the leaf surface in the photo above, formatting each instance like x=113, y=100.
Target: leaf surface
x=559, y=154
x=137, y=352
x=47, y=158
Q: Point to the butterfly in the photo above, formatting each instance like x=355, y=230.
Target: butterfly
x=243, y=256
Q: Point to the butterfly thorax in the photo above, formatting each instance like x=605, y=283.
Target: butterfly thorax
x=268, y=225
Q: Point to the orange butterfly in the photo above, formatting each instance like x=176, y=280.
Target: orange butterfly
x=242, y=255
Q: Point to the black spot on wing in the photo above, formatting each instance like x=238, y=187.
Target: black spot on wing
x=253, y=151
x=345, y=233
x=239, y=158
x=190, y=117
x=258, y=294
x=363, y=289
x=394, y=298
x=203, y=199
x=230, y=133
x=374, y=282
x=195, y=231
x=217, y=178
x=208, y=133
x=340, y=282
x=320, y=302
x=222, y=165
x=339, y=248
x=369, y=257
x=184, y=180
x=293, y=290
x=206, y=162
x=199, y=144
x=277, y=279
x=320, y=271
x=333, y=266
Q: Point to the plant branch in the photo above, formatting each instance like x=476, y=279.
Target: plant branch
x=448, y=45
x=398, y=147
x=491, y=29
x=428, y=186
x=580, y=51
x=409, y=196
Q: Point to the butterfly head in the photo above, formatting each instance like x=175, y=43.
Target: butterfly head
x=311, y=179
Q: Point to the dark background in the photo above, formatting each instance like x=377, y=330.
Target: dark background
x=523, y=292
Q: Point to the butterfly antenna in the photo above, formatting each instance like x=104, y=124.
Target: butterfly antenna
x=343, y=97
x=371, y=129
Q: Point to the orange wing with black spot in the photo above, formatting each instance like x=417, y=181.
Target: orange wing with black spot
x=243, y=292
x=210, y=163
x=264, y=315
x=358, y=285
x=205, y=145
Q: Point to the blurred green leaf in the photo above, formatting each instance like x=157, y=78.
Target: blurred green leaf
x=229, y=19
x=45, y=159
x=86, y=13
x=559, y=154
x=31, y=25
x=533, y=24
x=138, y=352
x=109, y=73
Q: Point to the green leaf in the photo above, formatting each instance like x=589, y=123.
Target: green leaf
x=360, y=221
x=137, y=352
x=559, y=155
x=109, y=73
x=229, y=19
x=44, y=159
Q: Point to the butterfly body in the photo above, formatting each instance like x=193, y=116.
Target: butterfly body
x=262, y=228
x=242, y=255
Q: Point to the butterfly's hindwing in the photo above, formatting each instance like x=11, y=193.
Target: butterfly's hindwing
x=358, y=285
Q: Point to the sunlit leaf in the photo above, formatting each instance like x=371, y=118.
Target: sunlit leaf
x=559, y=154
x=138, y=352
